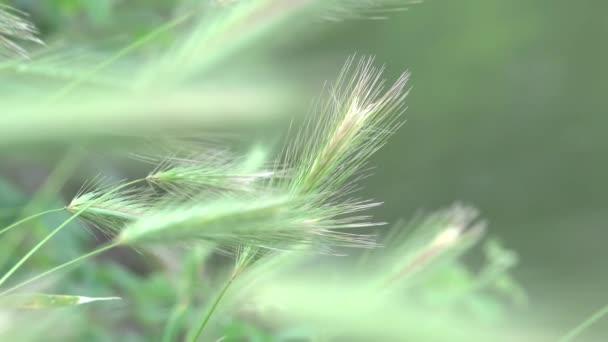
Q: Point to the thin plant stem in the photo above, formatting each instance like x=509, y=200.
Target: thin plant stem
x=175, y=320
x=53, y=183
x=185, y=294
x=58, y=176
x=121, y=53
x=216, y=303
x=60, y=227
x=572, y=334
x=31, y=217
x=62, y=266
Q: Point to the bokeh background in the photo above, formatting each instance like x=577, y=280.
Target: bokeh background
x=507, y=112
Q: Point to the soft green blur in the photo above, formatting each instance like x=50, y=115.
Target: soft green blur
x=507, y=113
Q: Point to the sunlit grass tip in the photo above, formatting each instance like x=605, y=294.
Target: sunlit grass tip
x=264, y=221
x=109, y=212
x=355, y=120
x=14, y=26
x=213, y=172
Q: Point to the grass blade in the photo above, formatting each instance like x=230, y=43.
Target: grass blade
x=579, y=329
x=21, y=261
x=38, y=301
x=15, y=26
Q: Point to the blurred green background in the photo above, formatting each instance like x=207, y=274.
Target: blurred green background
x=507, y=112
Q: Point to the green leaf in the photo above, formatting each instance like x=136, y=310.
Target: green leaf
x=47, y=301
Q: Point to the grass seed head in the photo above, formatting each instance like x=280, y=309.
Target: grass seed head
x=111, y=213
x=15, y=26
x=356, y=120
x=217, y=172
x=271, y=222
x=433, y=239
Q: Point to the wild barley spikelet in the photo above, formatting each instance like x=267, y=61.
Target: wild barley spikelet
x=216, y=172
x=110, y=213
x=14, y=26
x=267, y=222
x=303, y=209
x=354, y=123
x=446, y=233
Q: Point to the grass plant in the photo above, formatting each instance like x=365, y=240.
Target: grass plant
x=268, y=212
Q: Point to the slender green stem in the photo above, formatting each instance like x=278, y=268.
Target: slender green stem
x=56, y=179
x=175, y=320
x=218, y=299
x=52, y=185
x=60, y=227
x=60, y=267
x=186, y=288
x=118, y=55
x=58, y=176
x=585, y=325
x=31, y=217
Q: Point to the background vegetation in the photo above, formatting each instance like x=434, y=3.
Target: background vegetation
x=506, y=113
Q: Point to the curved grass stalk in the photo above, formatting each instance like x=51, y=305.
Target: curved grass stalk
x=226, y=30
x=58, y=176
x=188, y=286
x=31, y=217
x=59, y=268
x=576, y=331
x=246, y=257
x=60, y=64
x=58, y=229
x=176, y=318
x=201, y=327
x=221, y=32
x=121, y=53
